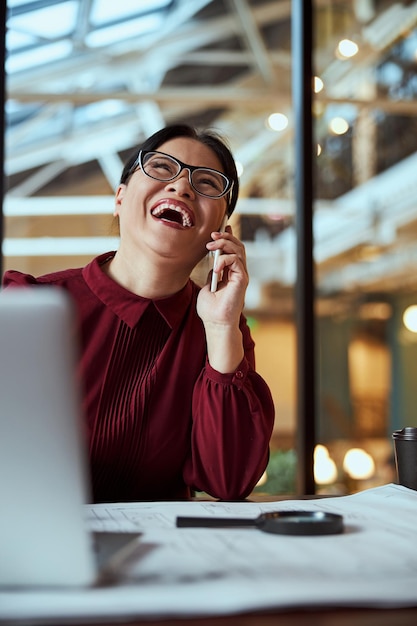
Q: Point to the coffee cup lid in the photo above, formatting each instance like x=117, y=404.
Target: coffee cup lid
x=408, y=433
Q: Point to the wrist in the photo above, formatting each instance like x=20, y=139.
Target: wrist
x=224, y=347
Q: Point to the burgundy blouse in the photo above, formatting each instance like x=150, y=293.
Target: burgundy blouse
x=161, y=420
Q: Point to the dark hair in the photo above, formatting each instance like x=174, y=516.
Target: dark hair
x=207, y=137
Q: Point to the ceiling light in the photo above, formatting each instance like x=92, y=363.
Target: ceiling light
x=318, y=84
x=277, y=121
x=410, y=318
x=325, y=471
x=358, y=464
x=338, y=125
x=347, y=48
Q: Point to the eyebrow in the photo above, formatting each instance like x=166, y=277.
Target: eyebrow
x=205, y=167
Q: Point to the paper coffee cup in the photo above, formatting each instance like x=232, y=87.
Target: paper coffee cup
x=405, y=450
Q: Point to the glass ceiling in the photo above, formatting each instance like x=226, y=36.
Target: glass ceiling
x=43, y=31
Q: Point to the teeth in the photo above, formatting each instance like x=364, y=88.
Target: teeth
x=161, y=208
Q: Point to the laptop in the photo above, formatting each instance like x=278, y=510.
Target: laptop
x=44, y=477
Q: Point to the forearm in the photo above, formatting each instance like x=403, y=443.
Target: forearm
x=224, y=347
x=233, y=417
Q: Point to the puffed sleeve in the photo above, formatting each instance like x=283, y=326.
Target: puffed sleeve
x=233, y=419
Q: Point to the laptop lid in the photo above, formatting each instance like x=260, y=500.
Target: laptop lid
x=43, y=466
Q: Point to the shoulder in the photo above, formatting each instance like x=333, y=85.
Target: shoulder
x=14, y=278
x=67, y=278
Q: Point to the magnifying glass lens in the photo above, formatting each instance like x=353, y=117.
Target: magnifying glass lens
x=301, y=523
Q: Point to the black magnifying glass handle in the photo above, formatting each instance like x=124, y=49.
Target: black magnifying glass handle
x=215, y=522
x=277, y=522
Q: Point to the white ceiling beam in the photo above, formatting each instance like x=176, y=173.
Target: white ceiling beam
x=390, y=25
x=58, y=246
x=200, y=93
x=253, y=39
x=112, y=166
x=394, y=266
x=232, y=58
x=150, y=116
x=82, y=27
x=57, y=205
x=102, y=205
x=39, y=179
x=76, y=148
x=214, y=96
x=29, y=127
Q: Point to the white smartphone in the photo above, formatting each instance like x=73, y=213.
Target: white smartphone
x=215, y=275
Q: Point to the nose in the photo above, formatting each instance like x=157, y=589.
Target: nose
x=182, y=184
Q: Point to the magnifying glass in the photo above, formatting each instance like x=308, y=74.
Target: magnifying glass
x=278, y=522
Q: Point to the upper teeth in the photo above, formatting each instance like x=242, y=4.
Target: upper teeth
x=186, y=220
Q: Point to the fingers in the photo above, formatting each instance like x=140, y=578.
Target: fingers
x=231, y=267
x=226, y=243
x=229, y=260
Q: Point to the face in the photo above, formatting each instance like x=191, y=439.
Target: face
x=170, y=218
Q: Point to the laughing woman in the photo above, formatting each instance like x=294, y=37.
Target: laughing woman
x=172, y=400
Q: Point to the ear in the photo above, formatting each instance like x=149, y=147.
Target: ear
x=118, y=199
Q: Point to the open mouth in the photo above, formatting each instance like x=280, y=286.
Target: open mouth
x=173, y=213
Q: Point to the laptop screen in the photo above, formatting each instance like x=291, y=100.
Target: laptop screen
x=43, y=466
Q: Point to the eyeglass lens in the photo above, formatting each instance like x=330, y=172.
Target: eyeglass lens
x=205, y=181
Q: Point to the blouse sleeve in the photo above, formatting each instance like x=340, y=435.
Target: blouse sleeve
x=233, y=419
x=13, y=278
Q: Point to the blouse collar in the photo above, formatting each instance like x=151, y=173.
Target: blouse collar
x=127, y=305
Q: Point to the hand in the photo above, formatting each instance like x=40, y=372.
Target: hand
x=220, y=311
x=225, y=305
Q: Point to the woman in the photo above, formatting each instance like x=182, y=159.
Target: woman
x=171, y=397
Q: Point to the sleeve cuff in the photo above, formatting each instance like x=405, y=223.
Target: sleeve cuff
x=236, y=378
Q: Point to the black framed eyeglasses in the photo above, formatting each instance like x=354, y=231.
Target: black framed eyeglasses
x=164, y=167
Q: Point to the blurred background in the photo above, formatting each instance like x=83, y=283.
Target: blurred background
x=87, y=80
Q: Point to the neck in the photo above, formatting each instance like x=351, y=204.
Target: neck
x=146, y=278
